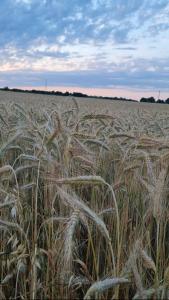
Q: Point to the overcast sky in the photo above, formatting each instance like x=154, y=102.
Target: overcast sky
x=104, y=47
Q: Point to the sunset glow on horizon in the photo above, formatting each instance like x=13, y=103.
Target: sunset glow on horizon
x=124, y=93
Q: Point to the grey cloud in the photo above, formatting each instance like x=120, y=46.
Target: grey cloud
x=22, y=23
x=128, y=79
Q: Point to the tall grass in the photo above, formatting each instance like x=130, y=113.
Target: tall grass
x=83, y=204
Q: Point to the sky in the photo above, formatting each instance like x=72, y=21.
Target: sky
x=102, y=47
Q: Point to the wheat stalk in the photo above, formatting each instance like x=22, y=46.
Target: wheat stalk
x=103, y=285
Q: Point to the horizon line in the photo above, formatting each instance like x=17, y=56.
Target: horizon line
x=118, y=92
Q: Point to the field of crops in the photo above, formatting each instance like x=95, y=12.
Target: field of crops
x=84, y=191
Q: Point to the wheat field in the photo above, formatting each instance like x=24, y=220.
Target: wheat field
x=84, y=190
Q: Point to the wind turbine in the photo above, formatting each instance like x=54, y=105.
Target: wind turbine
x=46, y=84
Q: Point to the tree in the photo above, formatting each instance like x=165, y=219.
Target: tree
x=160, y=101
x=148, y=100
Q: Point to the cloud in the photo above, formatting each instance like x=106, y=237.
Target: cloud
x=149, y=79
x=24, y=21
x=119, y=42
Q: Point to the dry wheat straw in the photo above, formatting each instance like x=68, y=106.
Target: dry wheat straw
x=103, y=285
x=55, y=169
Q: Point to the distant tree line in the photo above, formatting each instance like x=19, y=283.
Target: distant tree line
x=78, y=94
x=152, y=100
x=58, y=93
